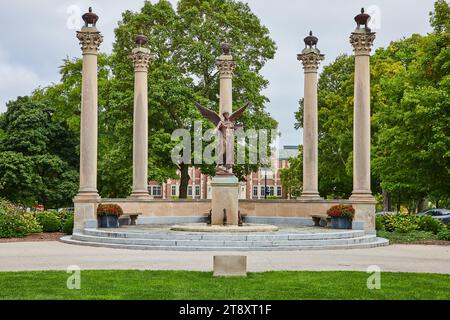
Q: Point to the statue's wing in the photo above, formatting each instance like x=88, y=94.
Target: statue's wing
x=209, y=114
x=240, y=112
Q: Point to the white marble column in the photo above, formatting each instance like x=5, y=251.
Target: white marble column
x=141, y=58
x=87, y=198
x=362, y=40
x=310, y=57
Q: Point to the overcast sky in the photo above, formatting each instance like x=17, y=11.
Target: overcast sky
x=37, y=35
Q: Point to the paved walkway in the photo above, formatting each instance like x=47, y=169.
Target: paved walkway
x=30, y=256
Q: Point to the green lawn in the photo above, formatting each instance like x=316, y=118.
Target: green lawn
x=410, y=237
x=170, y=285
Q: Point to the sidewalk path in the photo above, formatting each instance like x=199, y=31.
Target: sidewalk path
x=30, y=256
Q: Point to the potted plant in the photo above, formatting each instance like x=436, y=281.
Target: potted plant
x=109, y=215
x=341, y=216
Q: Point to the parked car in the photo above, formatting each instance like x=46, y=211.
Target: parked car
x=382, y=213
x=439, y=214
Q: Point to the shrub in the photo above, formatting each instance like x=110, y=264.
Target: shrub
x=68, y=224
x=379, y=224
x=343, y=211
x=49, y=221
x=400, y=223
x=444, y=234
x=428, y=223
x=15, y=222
x=113, y=210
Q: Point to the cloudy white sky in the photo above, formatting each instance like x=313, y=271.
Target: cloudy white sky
x=37, y=35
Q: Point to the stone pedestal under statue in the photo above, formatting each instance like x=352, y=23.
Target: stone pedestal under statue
x=225, y=199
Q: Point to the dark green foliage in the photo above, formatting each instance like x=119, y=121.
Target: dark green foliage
x=403, y=223
x=428, y=223
x=37, y=155
x=49, y=221
x=444, y=234
x=68, y=224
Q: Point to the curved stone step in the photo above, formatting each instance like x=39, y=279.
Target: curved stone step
x=377, y=242
x=279, y=236
x=225, y=243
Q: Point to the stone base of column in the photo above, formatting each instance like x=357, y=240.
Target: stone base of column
x=363, y=196
x=311, y=196
x=85, y=215
x=225, y=196
x=364, y=216
x=140, y=195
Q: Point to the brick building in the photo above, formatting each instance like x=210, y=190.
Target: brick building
x=253, y=189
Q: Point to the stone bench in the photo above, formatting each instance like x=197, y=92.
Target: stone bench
x=129, y=219
x=321, y=220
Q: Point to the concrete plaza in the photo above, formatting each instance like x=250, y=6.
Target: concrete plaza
x=53, y=255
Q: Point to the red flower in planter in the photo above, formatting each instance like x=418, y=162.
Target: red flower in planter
x=342, y=211
x=113, y=210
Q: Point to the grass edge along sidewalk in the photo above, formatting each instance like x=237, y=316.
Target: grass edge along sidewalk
x=180, y=285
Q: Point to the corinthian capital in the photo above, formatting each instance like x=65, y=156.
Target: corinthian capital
x=310, y=59
x=362, y=42
x=226, y=66
x=141, y=58
x=90, y=41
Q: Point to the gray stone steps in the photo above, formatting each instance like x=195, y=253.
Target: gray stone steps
x=279, y=236
x=224, y=243
x=375, y=242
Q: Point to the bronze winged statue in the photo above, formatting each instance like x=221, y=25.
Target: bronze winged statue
x=226, y=125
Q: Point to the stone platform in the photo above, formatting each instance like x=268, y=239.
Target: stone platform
x=288, y=238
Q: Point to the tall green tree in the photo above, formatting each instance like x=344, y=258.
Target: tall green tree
x=37, y=156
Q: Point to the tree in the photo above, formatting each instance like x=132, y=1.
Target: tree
x=187, y=43
x=291, y=178
x=37, y=156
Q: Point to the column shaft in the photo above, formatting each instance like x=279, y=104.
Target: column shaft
x=89, y=126
x=362, y=41
x=361, y=124
x=141, y=58
x=140, y=135
x=310, y=137
x=311, y=58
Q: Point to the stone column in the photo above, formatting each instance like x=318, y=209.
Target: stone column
x=362, y=199
x=362, y=40
x=226, y=66
x=141, y=58
x=311, y=58
x=87, y=198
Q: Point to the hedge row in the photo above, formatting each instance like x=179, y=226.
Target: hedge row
x=17, y=223
x=406, y=223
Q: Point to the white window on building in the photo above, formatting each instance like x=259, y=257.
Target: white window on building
x=271, y=191
x=190, y=191
x=279, y=192
x=197, y=191
x=263, y=191
x=157, y=191
x=255, y=191
x=174, y=191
